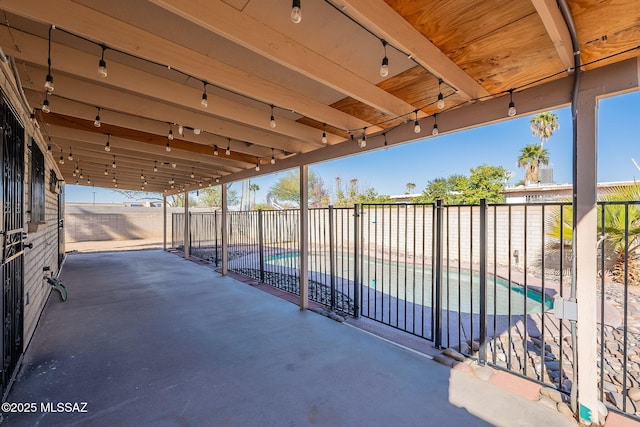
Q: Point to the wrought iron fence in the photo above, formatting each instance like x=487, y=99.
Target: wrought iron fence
x=480, y=279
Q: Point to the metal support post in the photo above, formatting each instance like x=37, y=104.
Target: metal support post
x=437, y=306
x=164, y=223
x=304, y=237
x=332, y=261
x=356, y=261
x=261, y=244
x=225, y=238
x=482, y=356
x=187, y=240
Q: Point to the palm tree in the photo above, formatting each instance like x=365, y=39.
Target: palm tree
x=619, y=230
x=410, y=187
x=254, y=188
x=530, y=159
x=544, y=125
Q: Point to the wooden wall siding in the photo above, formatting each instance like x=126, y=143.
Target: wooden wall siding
x=611, y=27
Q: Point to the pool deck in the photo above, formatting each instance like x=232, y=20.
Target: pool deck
x=147, y=338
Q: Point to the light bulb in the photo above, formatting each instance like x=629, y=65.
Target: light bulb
x=204, y=103
x=363, y=143
x=113, y=165
x=296, y=12
x=48, y=83
x=192, y=175
x=228, y=151
x=257, y=167
x=434, y=132
x=115, y=185
x=114, y=179
x=107, y=146
x=324, y=137
x=155, y=167
x=88, y=180
x=217, y=179
x=81, y=177
x=97, y=122
x=61, y=161
x=102, y=68
x=106, y=172
x=440, y=103
x=45, y=106
x=384, y=68
x=273, y=160
x=170, y=136
x=512, y=109
x=74, y=173
x=215, y=150
x=70, y=155
x=272, y=123
x=180, y=130
x=416, y=127
x=200, y=183
x=173, y=165
x=197, y=131
x=168, y=147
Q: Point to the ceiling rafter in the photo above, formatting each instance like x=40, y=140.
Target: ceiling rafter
x=128, y=38
x=381, y=19
x=32, y=50
x=553, y=21
x=222, y=19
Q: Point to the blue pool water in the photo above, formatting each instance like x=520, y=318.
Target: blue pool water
x=460, y=289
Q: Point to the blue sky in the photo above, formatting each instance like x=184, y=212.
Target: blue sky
x=389, y=170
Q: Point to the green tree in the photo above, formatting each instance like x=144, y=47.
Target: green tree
x=485, y=182
x=288, y=188
x=370, y=195
x=530, y=159
x=410, y=187
x=544, y=125
x=254, y=188
x=212, y=196
x=621, y=239
x=449, y=190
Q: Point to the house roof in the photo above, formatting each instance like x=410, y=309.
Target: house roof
x=321, y=75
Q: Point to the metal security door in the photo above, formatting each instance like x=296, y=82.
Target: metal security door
x=12, y=245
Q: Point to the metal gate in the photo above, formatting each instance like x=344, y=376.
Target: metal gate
x=12, y=241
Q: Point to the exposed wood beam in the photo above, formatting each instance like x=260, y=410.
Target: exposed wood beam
x=386, y=23
x=33, y=50
x=55, y=119
x=224, y=20
x=553, y=21
x=97, y=26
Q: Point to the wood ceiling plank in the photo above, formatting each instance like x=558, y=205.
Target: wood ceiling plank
x=383, y=20
x=224, y=20
x=606, y=29
x=32, y=49
x=128, y=38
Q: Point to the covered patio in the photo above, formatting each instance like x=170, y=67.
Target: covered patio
x=133, y=345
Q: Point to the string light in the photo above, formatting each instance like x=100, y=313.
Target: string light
x=273, y=157
x=257, y=164
x=170, y=135
x=70, y=154
x=272, y=122
x=215, y=150
x=362, y=141
x=49, y=145
x=106, y=172
x=440, y=103
x=296, y=12
x=200, y=183
x=45, y=104
x=97, y=123
x=512, y=106
x=324, y=133
x=217, y=180
x=384, y=68
x=142, y=174
x=173, y=165
x=435, y=131
x=416, y=124
x=61, y=161
x=107, y=145
x=155, y=166
x=48, y=82
x=102, y=66
x=204, y=102
x=88, y=180
x=113, y=165
x=114, y=178
x=180, y=130
x=168, y=147
x=228, y=150
x=80, y=176
x=192, y=174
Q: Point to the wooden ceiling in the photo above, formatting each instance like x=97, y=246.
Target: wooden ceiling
x=321, y=75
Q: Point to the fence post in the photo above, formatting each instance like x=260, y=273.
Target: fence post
x=261, y=244
x=438, y=273
x=332, y=262
x=215, y=234
x=482, y=356
x=356, y=264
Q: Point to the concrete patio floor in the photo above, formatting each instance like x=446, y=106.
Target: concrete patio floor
x=147, y=338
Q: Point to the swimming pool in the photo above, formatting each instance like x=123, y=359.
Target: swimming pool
x=413, y=283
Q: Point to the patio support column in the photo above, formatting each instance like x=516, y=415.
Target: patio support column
x=164, y=223
x=304, y=237
x=585, y=244
x=223, y=228
x=187, y=242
